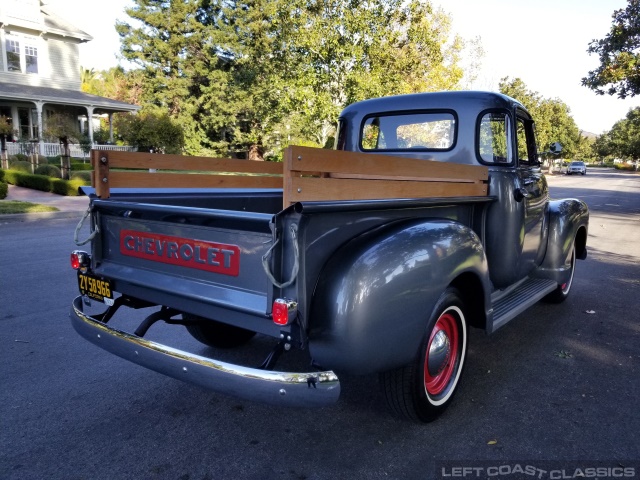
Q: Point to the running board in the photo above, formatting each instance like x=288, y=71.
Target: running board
x=519, y=299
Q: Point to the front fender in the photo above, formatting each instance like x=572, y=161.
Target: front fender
x=568, y=224
x=375, y=296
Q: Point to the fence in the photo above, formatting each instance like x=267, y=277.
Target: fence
x=55, y=149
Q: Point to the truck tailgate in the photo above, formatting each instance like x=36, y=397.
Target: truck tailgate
x=207, y=256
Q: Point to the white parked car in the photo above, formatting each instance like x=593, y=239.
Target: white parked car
x=577, y=167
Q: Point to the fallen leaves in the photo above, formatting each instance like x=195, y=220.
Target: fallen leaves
x=564, y=354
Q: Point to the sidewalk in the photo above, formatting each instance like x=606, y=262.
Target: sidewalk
x=69, y=207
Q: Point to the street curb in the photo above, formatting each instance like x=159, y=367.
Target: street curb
x=34, y=217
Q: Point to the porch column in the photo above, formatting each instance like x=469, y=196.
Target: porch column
x=90, y=123
x=15, y=121
x=111, y=128
x=39, y=105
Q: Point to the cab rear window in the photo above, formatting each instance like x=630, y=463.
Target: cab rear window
x=409, y=131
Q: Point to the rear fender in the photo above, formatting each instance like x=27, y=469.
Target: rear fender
x=568, y=224
x=376, y=293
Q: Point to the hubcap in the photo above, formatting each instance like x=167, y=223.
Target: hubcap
x=442, y=355
x=439, y=352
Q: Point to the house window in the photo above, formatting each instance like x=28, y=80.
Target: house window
x=22, y=54
x=13, y=56
x=31, y=59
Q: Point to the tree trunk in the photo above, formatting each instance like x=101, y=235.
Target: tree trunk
x=3, y=152
x=65, y=159
x=256, y=153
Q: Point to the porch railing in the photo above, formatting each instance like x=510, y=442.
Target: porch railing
x=54, y=149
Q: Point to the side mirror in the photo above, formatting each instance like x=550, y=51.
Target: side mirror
x=555, y=148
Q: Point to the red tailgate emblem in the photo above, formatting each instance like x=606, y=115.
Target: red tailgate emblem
x=184, y=252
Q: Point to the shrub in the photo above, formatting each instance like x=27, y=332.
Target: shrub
x=4, y=190
x=624, y=166
x=44, y=183
x=21, y=179
x=56, y=160
x=66, y=187
x=76, y=166
x=84, y=176
x=18, y=157
x=49, y=171
x=1, y=175
x=20, y=166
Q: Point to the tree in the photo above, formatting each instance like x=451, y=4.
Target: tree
x=63, y=128
x=151, y=131
x=87, y=78
x=619, y=70
x=237, y=75
x=585, y=147
x=603, y=147
x=554, y=122
x=623, y=140
x=349, y=51
x=114, y=83
x=6, y=130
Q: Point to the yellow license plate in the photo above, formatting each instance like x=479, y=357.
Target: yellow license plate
x=93, y=287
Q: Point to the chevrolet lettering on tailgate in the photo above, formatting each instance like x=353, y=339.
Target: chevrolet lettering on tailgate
x=184, y=252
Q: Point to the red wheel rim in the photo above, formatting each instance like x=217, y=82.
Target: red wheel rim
x=446, y=329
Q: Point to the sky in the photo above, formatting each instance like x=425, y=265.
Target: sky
x=542, y=42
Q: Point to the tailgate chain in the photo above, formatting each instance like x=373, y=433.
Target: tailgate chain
x=91, y=235
x=296, y=261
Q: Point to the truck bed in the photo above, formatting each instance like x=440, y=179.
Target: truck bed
x=146, y=204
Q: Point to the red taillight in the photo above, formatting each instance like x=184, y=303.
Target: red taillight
x=284, y=311
x=80, y=259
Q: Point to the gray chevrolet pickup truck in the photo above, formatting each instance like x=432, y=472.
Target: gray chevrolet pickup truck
x=429, y=217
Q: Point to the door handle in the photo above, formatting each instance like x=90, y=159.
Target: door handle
x=520, y=194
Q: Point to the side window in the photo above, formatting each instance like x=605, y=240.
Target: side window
x=494, y=138
x=526, y=142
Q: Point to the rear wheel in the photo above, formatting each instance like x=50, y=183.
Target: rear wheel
x=422, y=390
x=561, y=293
x=217, y=334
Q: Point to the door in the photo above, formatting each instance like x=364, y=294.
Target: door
x=534, y=195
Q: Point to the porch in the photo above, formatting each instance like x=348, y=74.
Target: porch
x=27, y=107
x=55, y=149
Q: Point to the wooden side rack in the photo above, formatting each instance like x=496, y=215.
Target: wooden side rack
x=307, y=174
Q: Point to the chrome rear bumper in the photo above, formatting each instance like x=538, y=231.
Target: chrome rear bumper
x=315, y=389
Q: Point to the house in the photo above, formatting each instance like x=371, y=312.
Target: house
x=40, y=74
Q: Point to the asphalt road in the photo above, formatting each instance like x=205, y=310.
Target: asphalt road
x=554, y=390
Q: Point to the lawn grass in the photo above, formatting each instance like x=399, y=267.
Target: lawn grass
x=14, y=206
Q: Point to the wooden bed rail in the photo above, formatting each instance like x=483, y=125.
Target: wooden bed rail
x=151, y=170
x=307, y=174
x=318, y=174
